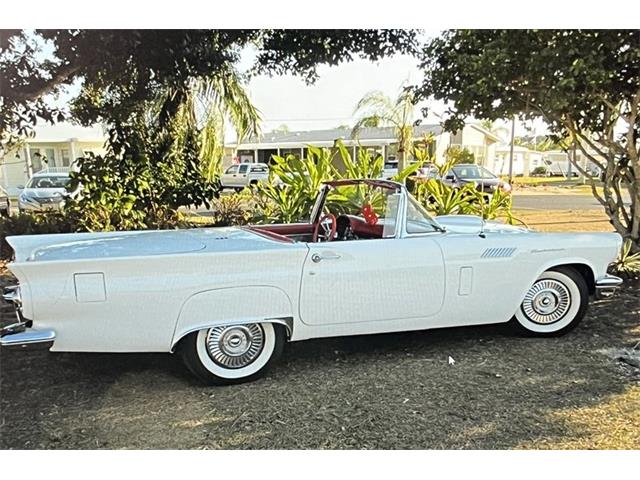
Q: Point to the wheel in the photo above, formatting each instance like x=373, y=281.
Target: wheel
x=554, y=305
x=232, y=354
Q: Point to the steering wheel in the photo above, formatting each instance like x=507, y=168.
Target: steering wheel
x=325, y=229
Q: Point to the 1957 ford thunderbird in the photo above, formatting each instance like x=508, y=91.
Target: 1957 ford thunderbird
x=370, y=260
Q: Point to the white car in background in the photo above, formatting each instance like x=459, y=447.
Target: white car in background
x=45, y=191
x=243, y=175
x=390, y=170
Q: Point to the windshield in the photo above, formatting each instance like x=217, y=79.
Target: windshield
x=472, y=171
x=418, y=220
x=44, y=181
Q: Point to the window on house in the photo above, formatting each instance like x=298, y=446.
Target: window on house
x=65, y=159
x=36, y=159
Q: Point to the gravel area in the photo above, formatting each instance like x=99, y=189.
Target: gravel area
x=394, y=391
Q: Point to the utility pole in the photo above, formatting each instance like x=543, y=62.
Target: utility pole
x=513, y=132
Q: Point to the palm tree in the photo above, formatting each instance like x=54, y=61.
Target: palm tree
x=375, y=108
x=201, y=108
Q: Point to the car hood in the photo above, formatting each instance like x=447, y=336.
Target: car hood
x=473, y=224
x=44, y=192
x=86, y=246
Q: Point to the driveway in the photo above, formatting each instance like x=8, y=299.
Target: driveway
x=556, y=202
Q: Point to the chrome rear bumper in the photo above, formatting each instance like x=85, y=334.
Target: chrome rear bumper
x=606, y=286
x=21, y=335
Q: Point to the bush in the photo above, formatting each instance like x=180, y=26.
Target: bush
x=31, y=224
x=457, y=154
x=539, y=171
x=627, y=264
x=293, y=185
x=133, y=194
x=442, y=199
x=234, y=209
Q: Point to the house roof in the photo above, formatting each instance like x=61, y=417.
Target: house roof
x=64, y=132
x=319, y=137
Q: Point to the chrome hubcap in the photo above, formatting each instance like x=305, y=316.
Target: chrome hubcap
x=235, y=346
x=547, y=301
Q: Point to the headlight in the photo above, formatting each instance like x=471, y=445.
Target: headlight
x=26, y=198
x=505, y=187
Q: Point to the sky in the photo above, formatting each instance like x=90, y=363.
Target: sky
x=331, y=100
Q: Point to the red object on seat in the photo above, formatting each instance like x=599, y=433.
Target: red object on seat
x=369, y=214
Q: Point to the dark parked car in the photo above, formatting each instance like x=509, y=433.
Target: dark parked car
x=465, y=173
x=5, y=203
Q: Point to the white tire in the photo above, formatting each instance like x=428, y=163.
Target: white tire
x=231, y=354
x=555, y=303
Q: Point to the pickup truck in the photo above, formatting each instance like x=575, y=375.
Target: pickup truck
x=243, y=175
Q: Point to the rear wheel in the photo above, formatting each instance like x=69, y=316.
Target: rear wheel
x=554, y=305
x=231, y=354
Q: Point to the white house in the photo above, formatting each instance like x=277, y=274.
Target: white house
x=382, y=140
x=525, y=160
x=52, y=146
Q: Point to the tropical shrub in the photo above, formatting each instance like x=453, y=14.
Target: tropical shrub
x=120, y=193
x=457, y=154
x=233, y=209
x=627, y=264
x=294, y=183
x=442, y=199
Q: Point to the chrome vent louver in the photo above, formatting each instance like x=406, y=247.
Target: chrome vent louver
x=503, y=252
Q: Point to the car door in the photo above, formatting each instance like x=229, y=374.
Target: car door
x=372, y=280
x=229, y=177
x=241, y=178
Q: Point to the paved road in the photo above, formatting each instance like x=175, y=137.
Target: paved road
x=556, y=202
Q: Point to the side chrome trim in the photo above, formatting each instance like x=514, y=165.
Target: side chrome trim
x=287, y=322
x=606, y=286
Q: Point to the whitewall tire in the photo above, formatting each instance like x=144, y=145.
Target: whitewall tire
x=555, y=304
x=232, y=354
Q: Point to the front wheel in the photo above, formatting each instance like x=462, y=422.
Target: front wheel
x=231, y=354
x=554, y=305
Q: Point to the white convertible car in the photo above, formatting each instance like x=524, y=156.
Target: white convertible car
x=369, y=260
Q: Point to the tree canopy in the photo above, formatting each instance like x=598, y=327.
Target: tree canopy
x=585, y=84
x=130, y=66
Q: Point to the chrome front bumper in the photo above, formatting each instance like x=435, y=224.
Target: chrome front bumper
x=21, y=335
x=606, y=286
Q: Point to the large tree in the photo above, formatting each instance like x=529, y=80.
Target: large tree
x=585, y=84
x=131, y=66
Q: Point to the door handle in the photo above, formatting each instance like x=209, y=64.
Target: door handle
x=317, y=258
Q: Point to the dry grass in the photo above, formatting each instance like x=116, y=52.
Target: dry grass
x=565, y=220
x=611, y=424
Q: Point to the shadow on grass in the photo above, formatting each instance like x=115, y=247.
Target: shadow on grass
x=376, y=391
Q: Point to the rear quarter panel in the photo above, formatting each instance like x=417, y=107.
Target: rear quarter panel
x=146, y=295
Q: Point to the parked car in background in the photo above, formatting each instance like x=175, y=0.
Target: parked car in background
x=5, y=203
x=244, y=175
x=228, y=299
x=45, y=191
x=391, y=170
x=464, y=173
